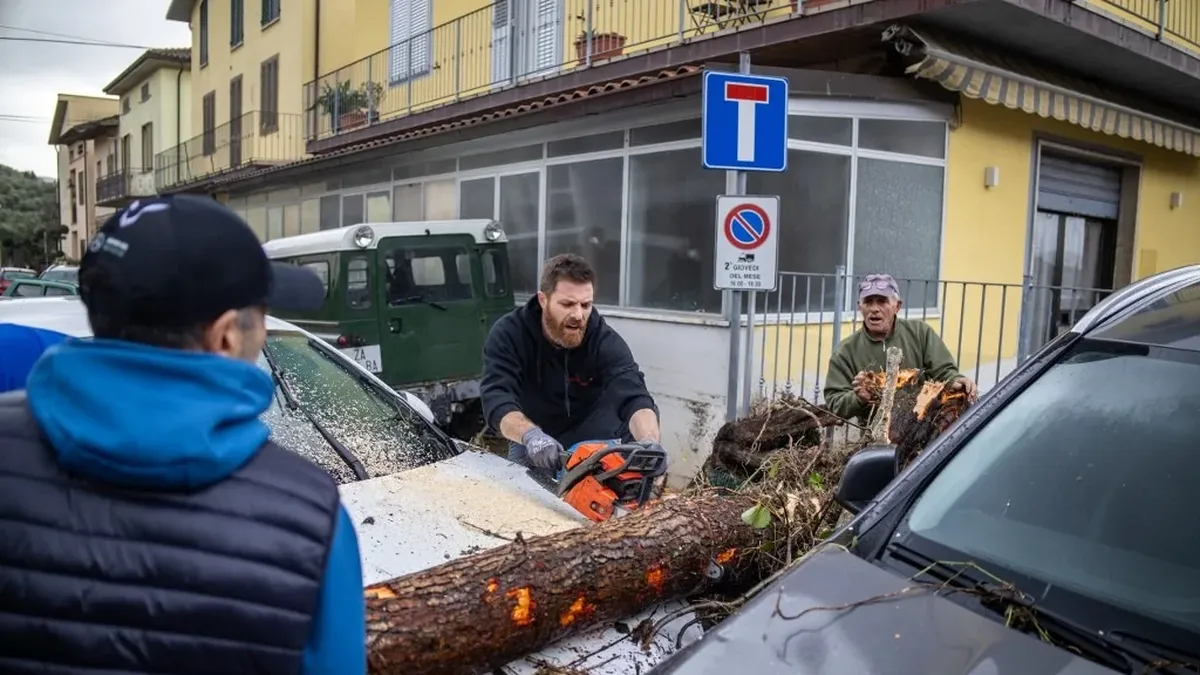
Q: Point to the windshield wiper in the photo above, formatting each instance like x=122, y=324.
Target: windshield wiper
x=1167, y=655
x=360, y=472
x=1020, y=613
x=421, y=299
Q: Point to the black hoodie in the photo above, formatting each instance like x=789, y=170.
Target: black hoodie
x=581, y=394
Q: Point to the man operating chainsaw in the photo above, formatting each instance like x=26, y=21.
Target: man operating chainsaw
x=555, y=373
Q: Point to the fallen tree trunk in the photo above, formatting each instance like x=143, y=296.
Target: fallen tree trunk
x=482, y=611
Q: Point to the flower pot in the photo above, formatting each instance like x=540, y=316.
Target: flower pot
x=351, y=120
x=604, y=46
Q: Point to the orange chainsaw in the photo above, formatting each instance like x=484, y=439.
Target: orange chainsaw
x=606, y=478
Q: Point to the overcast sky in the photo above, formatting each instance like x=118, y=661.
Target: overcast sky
x=32, y=74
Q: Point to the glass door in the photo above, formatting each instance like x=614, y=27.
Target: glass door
x=519, y=211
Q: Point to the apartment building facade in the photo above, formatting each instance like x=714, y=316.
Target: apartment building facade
x=155, y=113
x=84, y=131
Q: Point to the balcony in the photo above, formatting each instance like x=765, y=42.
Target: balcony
x=256, y=139
x=483, y=51
x=119, y=188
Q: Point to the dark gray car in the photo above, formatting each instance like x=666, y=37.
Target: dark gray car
x=1050, y=531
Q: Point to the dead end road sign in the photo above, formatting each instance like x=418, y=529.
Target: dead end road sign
x=747, y=249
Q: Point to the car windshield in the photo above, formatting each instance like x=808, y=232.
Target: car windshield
x=1085, y=483
x=67, y=274
x=384, y=434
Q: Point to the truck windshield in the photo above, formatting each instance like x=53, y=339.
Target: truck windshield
x=380, y=430
x=1086, y=483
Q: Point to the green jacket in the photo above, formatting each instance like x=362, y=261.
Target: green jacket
x=923, y=349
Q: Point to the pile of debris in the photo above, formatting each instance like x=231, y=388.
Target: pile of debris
x=762, y=500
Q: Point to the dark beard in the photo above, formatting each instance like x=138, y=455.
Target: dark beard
x=558, y=334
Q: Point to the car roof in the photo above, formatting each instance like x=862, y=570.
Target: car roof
x=1160, y=310
x=67, y=315
x=342, y=238
x=45, y=282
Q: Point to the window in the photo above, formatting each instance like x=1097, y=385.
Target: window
x=127, y=154
x=270, y=11
x=421, y=275
x=1067, y=485
x=55, y=290
x=411, y=51
x=358, y=283
x=310, y=216
x=382, y=431
x=237, y=22
x=269, y=89
x=407, y=204
x=495, y=274
x=274, y=222
x=208, y=115
x=330, y=212
x=147, y=146
x=441, y=199
x=145, y=92
x=256, y=218
x=671, y=200
x=379, y=207
x=27, y=291
x=814, y=208
x=583, y=215
x=126, y=106
x=203, y=33
x=477, y=198
x=353, y=211
x=321, y=269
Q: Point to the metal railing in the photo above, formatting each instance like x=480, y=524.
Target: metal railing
x=253, y=139
x=488, y=49
x=1175, y=21
x=988, y=327
x=123, y=184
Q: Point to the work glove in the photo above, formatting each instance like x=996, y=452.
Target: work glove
x=543, y=451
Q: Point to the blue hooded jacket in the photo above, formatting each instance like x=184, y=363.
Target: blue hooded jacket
x=20, y=348
x=70, y=393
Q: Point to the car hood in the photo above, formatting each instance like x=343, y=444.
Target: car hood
x=474, y=501
x=836, y=613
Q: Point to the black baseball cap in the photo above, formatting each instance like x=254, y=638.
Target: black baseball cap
x=183, y=260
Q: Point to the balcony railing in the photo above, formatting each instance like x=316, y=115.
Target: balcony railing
x=1176, y=22
x=253, y=139
x=487, y=49
x=124, y=184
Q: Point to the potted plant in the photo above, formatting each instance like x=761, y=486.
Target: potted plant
x=344, y=105
x=604, y=45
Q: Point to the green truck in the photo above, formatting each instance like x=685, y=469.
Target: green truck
x=412, y=302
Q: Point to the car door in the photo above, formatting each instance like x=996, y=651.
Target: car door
x=430, y=316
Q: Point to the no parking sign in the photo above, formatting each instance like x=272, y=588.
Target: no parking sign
x=747, y=246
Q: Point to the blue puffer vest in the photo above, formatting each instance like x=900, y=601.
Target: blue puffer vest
x=96, y=579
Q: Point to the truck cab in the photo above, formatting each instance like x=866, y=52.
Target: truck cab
x=411, y=302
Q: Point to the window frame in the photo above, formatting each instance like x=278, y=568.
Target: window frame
x=400, y=63
x=208, y=123
x=237, y=23
x=364, y=299
x=271, y=12
x=202, y=34
x=268, y=88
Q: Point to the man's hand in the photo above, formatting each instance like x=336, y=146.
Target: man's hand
x=966, y=386
x=861, y=388
x=543, y=451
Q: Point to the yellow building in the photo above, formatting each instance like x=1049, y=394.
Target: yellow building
x=954, y=145
x=155, y=95
x=84, y=132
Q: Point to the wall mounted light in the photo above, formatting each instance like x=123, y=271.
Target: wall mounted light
x=1176, y=200
x=991, y=176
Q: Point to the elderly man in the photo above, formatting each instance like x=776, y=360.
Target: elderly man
x=846, y=390
x=555, y=373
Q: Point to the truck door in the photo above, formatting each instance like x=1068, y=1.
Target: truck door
x=430, y=314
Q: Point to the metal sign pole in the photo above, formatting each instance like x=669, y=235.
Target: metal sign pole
x=735, y=184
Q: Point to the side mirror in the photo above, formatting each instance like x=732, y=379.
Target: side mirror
x=867, y=472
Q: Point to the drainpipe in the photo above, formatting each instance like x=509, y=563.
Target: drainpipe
x=178, y=119
x=313, y=118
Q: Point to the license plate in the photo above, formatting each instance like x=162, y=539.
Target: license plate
x=368, y=357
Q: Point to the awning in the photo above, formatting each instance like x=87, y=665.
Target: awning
x=990, y=75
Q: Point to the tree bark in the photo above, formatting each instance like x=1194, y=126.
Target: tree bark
x=483, y=611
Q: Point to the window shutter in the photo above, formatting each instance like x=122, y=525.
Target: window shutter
x=420, y=26
x=398, y=63
x=546, y=34
x=501, y=55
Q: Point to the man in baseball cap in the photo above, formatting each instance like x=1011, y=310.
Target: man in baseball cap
x=879, y=301
x=152, y=524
